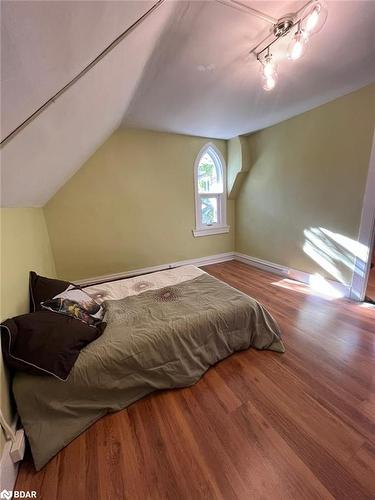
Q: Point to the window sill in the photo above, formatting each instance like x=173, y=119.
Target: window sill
x=210, y=230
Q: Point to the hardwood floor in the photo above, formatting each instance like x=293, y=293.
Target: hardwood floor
x=258, y=425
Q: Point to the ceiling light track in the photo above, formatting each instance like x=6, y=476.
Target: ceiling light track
x=282, y=27
x=308, y=20
x=85, y=70
x=265, y=48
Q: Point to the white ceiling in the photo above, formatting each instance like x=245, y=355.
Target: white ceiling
x=152, y=80
x=175, y=96
x=44, y=44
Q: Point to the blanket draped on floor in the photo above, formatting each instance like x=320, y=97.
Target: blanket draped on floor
x=156, y=338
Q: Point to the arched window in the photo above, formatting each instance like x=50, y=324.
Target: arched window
x=210, y=192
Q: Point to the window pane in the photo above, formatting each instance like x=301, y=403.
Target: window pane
x=208, y=179
x=208, y=210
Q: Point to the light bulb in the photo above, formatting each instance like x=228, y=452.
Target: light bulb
x=297, y=50
x=268, y=67
x=269, y=72
x=312, y=19
x=297, y=46
x=269, y=82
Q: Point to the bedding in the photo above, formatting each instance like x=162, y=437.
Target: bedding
x=164, y=330
x=77, y=303
x=42, y=288
x=45, y=343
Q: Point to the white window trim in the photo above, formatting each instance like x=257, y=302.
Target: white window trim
x=220, y=227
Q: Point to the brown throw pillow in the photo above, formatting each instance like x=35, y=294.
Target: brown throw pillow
x=45, y=343
x=41, y=289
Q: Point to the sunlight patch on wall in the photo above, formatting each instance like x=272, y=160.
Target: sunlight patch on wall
x=353, y=246
x=324, y=261
x=333, y=250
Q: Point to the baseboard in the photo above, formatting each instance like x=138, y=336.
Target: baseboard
x=201, y=261
x=264, y=265
x=342, y=289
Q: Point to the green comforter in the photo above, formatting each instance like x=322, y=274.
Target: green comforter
x=159, y=339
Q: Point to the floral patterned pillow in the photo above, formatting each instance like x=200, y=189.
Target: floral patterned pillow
x=76, y=303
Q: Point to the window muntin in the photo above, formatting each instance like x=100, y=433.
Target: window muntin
x=210, y=192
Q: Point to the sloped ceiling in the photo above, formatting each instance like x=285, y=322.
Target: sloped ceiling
x=44, y=44
x=154, y=78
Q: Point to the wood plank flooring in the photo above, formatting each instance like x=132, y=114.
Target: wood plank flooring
x=258, y=425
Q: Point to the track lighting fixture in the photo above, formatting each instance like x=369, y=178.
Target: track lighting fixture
x=307, y=21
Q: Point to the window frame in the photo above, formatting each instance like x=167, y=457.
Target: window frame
x=220, y=226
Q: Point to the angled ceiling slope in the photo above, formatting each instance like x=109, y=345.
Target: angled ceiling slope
x=44, y=45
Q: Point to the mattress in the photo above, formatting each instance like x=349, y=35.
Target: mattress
x=164, y=330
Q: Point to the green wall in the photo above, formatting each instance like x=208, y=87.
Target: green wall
x=308, y=173
x=239, y=161
x=25, y=246
x=131, y=206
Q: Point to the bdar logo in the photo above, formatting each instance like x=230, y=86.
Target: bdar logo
x=8, y=494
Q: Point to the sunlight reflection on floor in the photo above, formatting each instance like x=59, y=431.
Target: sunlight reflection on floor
x=318, y=286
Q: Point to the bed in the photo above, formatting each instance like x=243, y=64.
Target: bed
x=164, y=330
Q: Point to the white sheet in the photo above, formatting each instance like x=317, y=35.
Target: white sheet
x=115, y=290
